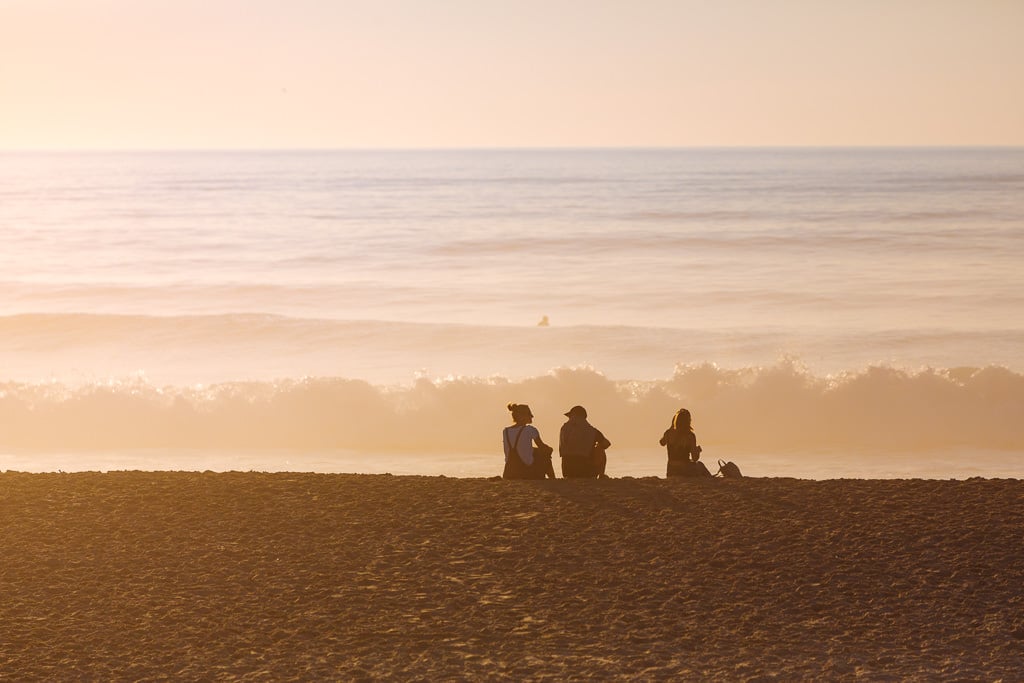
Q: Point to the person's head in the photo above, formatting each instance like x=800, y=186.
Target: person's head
x=578, y=412
x=682, y=421
x=521, y=413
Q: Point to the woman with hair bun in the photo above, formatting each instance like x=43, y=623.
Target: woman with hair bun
x=683, y=451
x=523, y=460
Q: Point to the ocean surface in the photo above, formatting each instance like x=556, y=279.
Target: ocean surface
x=822, y=312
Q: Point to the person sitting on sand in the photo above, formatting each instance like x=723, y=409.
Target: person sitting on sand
x=683, y=451
x=582, y=447
x=523, y=460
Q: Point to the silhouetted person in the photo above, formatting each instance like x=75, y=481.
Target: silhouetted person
x=683, y=451
x=522, y=459
x=582, y=446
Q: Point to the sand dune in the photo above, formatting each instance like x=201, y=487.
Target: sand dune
x=142, y=575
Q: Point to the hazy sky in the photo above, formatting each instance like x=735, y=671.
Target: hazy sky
x=509, y=73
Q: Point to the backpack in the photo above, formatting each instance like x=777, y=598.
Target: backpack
x=729, y=470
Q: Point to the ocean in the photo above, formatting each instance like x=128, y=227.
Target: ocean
x=822, y=312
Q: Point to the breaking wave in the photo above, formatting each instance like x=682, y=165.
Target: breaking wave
x=766, y=409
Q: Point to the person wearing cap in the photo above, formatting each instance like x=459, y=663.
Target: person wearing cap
x=582, y=446
x=526, y=455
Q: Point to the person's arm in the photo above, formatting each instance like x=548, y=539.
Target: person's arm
x=542, y=448
x=602, y=442
x=694, y=448
x=664, y=438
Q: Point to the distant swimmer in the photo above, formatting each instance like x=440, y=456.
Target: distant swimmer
x=543, y=322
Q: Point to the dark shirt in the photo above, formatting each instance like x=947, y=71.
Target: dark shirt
x=578, y=437
x=679, y=444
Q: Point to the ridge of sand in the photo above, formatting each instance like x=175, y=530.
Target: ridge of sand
x=250, y=576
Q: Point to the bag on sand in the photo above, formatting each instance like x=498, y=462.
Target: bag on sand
x=729, y=470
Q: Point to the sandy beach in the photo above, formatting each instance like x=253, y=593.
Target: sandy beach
x=249, y=576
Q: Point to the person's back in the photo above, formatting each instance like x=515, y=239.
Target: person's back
x=524, y=460
x=681, y=445
x=678, y=444
x=581, y=446
x=518, y=460
x=577, y=438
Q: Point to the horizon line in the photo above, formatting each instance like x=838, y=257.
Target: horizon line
x=498, y=148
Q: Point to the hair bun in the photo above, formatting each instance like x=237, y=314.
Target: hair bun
x=512, y=407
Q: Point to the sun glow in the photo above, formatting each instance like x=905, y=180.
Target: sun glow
x=311, y=73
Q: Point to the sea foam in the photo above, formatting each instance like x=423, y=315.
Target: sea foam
x=770, y=409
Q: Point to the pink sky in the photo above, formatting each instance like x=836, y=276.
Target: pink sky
x=117, y=74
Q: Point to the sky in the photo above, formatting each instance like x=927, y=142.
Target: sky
x=229, y=74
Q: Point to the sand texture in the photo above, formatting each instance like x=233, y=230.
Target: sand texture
x=247, y=576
